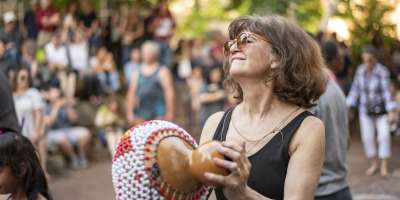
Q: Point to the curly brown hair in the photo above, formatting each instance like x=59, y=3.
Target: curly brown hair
x=300, y=79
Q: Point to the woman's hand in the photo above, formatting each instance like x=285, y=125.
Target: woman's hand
x=234, y=185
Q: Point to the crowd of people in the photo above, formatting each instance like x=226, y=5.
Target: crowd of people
x=125, y=67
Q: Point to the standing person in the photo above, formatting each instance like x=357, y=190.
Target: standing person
x=20, y=172
x=275, y=146
x=30, y=112
x=376, y=107
x=8, y=116
x=332, y=110
x=151, y=91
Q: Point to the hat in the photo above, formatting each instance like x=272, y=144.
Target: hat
x=9, y=17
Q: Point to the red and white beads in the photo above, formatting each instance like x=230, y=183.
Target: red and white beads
x=135, y=172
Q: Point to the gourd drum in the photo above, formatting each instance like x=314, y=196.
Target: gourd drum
x=160, y=160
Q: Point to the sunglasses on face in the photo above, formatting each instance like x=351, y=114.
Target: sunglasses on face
x=241, y=41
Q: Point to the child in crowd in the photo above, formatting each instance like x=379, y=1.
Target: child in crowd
x=21, y=175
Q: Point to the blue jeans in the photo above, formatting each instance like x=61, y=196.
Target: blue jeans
x=343, y=194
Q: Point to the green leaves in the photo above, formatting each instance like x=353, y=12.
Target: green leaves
x=368, y=21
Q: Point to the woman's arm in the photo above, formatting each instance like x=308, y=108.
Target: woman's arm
x=355, y=90
x=169, y=93
x=307, y=150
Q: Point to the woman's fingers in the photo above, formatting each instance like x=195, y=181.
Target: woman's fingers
x=215, y=179
x=231, y=166
x=230, y=153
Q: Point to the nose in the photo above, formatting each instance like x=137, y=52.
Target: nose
x=234, y=48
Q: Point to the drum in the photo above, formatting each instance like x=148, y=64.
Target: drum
x=160, y=160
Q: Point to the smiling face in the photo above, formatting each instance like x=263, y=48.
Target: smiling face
x=277, y=53
x=249, y=55
x=8, y=181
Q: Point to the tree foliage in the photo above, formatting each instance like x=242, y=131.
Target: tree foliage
x=368, y=22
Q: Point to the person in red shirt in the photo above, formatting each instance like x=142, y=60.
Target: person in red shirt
x=47, y=21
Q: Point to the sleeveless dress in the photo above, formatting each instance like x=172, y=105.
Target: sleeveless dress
x=270, y=163
x=150, y=95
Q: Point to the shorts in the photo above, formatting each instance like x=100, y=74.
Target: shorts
x=73, y=134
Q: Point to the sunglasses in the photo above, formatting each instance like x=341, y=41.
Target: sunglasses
x=241, y=41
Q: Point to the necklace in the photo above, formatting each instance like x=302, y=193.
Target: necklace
x=276, y=129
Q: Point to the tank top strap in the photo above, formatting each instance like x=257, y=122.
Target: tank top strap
x=155, y=74
x=223, y=126
x=289, y=130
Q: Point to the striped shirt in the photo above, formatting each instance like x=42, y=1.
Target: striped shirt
x=372, y=89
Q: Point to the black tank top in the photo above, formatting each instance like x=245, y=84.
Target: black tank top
x=270, y=163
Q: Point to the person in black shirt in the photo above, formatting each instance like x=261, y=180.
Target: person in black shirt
x=273, y=146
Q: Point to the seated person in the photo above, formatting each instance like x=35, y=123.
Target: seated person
x=60, y=114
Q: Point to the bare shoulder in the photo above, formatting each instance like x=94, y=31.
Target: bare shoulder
x=310, y=132
x=312, y=123
x=210, y=126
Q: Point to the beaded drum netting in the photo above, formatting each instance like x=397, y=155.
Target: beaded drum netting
x=135, y=172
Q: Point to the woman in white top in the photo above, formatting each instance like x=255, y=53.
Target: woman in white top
x=30, y=108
